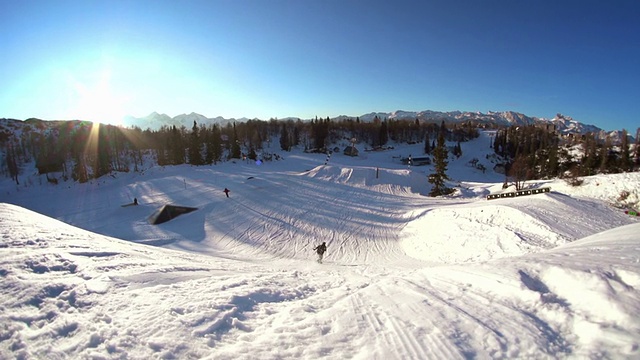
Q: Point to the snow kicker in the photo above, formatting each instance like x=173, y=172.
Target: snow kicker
x=519, y=193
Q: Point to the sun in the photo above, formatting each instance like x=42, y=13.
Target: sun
x=99, y=102
x=100, y=107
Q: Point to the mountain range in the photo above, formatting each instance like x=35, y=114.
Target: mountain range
x=563, y=124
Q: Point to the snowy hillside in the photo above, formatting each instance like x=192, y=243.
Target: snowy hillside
x=554, y=275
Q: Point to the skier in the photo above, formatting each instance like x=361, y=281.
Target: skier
x=320, y=249
x=226, y=191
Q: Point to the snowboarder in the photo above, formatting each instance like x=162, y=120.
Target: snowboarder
x=320, y=249
x=135, y=201
x=226, y=191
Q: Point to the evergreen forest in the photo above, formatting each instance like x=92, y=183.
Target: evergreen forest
x=81, y=150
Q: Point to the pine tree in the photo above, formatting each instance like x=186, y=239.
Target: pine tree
x=552, y=161
x=590, y=157
x=195, y=146
x=252, y=154
x=235, y=145
x=49, y=158
x=161, y=155
x=284, y=139
x=117, y=148
x=103, y=155
x=216, y=143
x=604, y=155
x=320, y=131
x=440, y=155
x=636, y=151
x=427, y=147
x=383, y=135
x=176, y=147
x=625, y=156
x=457, y=150
x=79, y=171
x=296, y=134
x=207, y=138
x=12, y=163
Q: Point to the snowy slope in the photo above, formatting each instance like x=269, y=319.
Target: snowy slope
x=68, y=292
x=406, y=276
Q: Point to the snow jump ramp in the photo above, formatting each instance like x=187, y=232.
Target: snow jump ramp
x=168, y=212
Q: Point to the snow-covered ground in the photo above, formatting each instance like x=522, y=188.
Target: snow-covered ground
x=406, y=276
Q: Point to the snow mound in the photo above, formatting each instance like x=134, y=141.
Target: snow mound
x=387, y=181
x=620, y=190
x=464, y=234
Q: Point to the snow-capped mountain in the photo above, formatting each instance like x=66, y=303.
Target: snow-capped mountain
x=566, y=125
x=497, y=118
x=155, y=121
x=150, y=121
x=563, y=124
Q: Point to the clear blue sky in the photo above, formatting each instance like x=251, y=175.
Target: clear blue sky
x=100, y=60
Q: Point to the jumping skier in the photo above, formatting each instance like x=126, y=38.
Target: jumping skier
x=320, y=249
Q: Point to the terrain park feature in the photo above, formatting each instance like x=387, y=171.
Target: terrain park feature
x=518, y=193
x=169, y=212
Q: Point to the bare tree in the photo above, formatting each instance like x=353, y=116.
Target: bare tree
x=519, y=172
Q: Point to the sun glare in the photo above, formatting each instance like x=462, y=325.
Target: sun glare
x=98, y=102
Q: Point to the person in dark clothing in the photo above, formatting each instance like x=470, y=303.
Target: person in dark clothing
x=226, y=191
x=135, y=201
x=320, y=249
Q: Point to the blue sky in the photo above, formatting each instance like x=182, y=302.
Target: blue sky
x=101, y=60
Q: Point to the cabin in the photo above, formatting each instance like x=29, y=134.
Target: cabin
x=351, y=151
x=417, y=161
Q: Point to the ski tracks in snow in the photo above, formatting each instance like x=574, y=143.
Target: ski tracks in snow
x=301, y=214
x=438, y=313
x=392, y=335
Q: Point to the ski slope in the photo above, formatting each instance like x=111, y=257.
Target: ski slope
x=405, y=277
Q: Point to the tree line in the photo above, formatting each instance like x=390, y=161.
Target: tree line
x=82, y=151
x=532, y=152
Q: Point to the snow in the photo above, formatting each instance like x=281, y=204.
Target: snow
x=406, y=276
